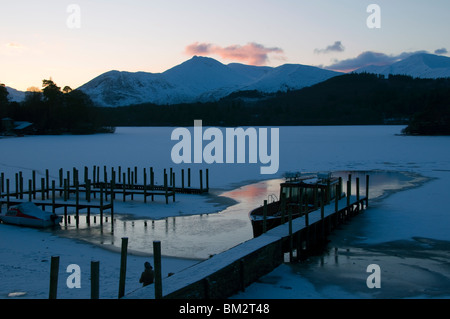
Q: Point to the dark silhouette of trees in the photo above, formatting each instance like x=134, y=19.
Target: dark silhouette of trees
x=53, y=111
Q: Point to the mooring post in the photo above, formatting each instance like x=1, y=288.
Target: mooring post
x=357, y=194
x=291, y=239
x=53, y=197
x=7, y=193
x=2, y=182
x=95, y=279
x=17, y=185
x=47, y=182
x=157, y=263
x=21, y=184
x=29, y=190
x=367, y=191
x=77, y=202
x=207, y=179
x=145, y=185
x=123, y=266
x=101, y=204
x=182, y=179
x=43, y=188
x=166, y=187
x=336, y=199
x=189, y=177
x=173, y=187
x=201, y=181
x=265, y=216
x=54, y=269
x=33, y=177
x=88, y=190
x=61, y=180
x=283, y=208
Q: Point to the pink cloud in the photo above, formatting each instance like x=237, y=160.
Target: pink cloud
x=251, y=53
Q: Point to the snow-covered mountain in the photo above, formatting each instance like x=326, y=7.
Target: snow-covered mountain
x=198, y=79
x=15, y=95
x=422, y=65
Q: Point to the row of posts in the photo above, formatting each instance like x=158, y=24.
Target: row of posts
x=95, y=273
x=128, y=180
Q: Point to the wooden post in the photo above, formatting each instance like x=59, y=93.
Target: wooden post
x=47, y=182
x=173, y=187
x=207, y=179
x=182, y=180
x=33, y=177
x=54, y=269
x=7, y=193
x=165, y=186
x=201, y=181
x=29, y=190
x=291, y=240
x=113, y=183
x=124, y=188
x=43, y=188
x=283, y=208
x=21, y=184
x=145, y=186
x=357, y=194
x=171, y=177
x=336, y=200
x=367, y=191
x=265, y=216
x=123, y=266
x=53, y=197
x=157, y=263
x=2, y=182
x=189, y=177
x=101, y=204
x=77, y=203
x=61, y=180
x=135, y=175
x=17, y=185
x=88, y=190
x=95, y=279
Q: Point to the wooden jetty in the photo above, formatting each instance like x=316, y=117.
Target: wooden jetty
x=121, y=183
x=227, y=273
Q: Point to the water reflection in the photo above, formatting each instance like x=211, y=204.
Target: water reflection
x=200, y=236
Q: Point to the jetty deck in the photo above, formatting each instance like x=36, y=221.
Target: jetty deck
x=226, y=273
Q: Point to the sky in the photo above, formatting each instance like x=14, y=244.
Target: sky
x=74, y=41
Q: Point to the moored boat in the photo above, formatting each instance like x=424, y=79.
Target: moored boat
x=300, y=193
x=28, y=214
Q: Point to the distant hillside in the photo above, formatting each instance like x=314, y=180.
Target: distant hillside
x=352, y=99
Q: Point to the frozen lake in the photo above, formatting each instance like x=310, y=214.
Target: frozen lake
x=412, y=215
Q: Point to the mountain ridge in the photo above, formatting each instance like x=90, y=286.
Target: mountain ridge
x=199, y=79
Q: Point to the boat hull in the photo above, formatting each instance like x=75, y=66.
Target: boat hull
x=28, y=214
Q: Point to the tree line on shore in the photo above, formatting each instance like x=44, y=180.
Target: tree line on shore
x=352, y=99
x=54, y=111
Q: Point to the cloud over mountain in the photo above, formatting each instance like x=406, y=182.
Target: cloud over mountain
x=336, y=47
x=251, y=53
x=369, y=58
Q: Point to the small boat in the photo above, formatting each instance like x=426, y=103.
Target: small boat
x=28, y=214
x=300, y=193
